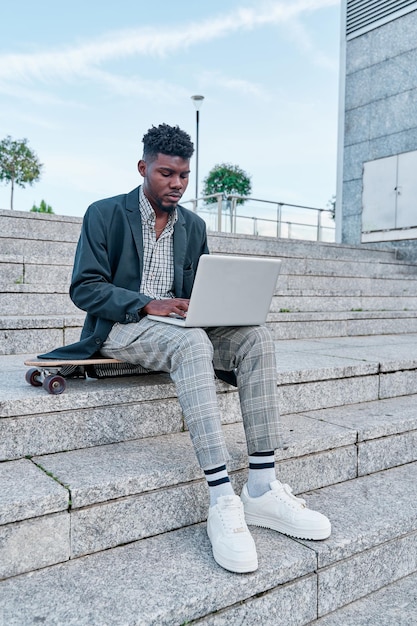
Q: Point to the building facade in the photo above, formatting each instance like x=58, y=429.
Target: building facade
x=377, y=160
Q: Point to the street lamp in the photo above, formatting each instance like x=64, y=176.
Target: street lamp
x=197, y=101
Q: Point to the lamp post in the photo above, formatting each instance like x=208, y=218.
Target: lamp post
x=197, y=101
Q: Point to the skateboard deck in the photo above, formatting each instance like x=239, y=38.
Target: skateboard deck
x=51, y=363
x=52, y=374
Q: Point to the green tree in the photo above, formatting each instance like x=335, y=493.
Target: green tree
x=227, y=179
x=19, y=165
x=42, y=208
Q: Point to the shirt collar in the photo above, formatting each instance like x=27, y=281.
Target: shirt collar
x=148, y=214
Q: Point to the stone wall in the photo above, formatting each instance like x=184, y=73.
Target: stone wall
x=380, y=113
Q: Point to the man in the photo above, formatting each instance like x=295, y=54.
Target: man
x=137, y=255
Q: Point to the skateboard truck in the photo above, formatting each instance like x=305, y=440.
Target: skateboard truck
x=52, y=382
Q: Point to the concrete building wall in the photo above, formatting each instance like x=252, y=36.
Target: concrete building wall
x=378, y=112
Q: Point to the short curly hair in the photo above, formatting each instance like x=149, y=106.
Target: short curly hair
x=165, y=139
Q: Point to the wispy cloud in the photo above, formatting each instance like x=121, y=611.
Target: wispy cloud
x=36, y=96
x=86, y=59
x=217, y=79
x=300, y=36
x=135, y=86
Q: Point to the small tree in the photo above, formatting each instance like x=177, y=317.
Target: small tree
x=42, y=208
x=19, y=165
x=227, y=179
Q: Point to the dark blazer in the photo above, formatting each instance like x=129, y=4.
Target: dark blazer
x=108, y=268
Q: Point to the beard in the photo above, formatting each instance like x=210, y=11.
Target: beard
x=170, y=208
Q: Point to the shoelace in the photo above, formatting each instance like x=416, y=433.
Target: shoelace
x=233, y=517
x=288, y=492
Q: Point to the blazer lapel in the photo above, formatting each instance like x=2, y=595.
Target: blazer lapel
x=180, y=244
x=135, y=221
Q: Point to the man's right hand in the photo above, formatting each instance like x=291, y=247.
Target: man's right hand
x=167, y=306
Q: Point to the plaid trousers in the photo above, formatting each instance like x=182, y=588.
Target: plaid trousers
x=190, y=355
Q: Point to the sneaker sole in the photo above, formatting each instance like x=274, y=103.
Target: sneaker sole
x=235, y=567
x=264, y=522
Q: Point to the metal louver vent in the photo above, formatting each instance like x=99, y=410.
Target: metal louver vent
x=365, y=14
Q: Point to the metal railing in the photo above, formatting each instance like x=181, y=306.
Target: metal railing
x=279, y=219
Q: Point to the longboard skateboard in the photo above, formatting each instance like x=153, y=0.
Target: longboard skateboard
x=51, y=375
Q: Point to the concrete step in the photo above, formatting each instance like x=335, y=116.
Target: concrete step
x=314, y=275
x=332, y=301
x=119, y=493
x=17, y=269
x=53, y=300
x=29, y=234
x=49, y=251
x=38, y=239
x=310, y=325
x=50, y=300
x=312, y=374
x=347, y=267
x=298, y=249
x=288, y=284
x=38, y=334
x=393, y=605
x=172, y=579
x=335, y=285
x=33, y=266
x=354, y=287
x=37, y=318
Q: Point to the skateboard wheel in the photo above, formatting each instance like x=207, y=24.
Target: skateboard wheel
x=33, y=377
x=54, y=384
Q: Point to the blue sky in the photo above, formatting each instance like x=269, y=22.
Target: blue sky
x=83, y=81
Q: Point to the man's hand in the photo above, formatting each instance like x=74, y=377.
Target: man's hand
x=167, y=307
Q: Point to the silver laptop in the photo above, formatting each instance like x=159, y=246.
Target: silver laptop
x=229, y=291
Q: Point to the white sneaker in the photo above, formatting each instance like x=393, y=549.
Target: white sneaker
x=232, y=544
x=280, y=510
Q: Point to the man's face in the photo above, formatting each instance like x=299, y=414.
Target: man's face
x=165, y=179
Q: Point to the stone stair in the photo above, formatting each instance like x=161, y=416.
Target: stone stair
x=171, y=579
x=103, y=505
x=325, y=290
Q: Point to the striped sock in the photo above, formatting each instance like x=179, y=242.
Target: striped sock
x=219, y=483
x=261, y=473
